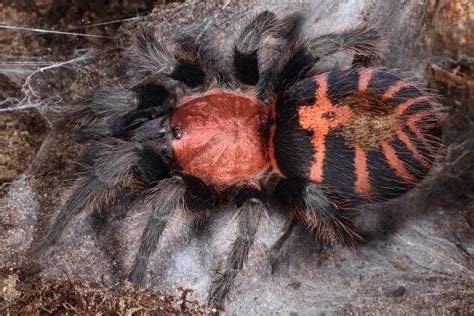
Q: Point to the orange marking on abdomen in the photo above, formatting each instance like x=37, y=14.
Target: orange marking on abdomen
x=364, y=77
x=394, y=89
x=405, y=105
x=416, y=154
x=320, y=118
x=317, y=173
x=362, y=183
x=411, y=124
x=396, y=164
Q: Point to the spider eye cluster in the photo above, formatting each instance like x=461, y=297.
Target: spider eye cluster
x=177, y=134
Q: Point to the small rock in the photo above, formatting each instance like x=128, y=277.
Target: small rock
x=8, y=292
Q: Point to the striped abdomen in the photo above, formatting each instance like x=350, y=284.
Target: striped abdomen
x=365, y=134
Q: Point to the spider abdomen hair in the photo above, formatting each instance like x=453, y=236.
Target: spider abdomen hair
x=365, y=134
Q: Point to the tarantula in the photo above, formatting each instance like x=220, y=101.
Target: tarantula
x=317, y=145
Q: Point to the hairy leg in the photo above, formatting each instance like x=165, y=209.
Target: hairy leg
x=95, y=189
x=178, y=61
x=178, y=192
x=309, y=203
x=171, y=69
x=250, y=209
x=363, y=41
x=246, y=63
x=299, y=56
x=291, y=62
x=203, y=44
x=114, y=113
x=364, y=61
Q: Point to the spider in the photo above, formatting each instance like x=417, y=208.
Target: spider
x=277, y=134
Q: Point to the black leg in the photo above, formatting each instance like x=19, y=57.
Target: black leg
x=115, y=113
x=246, y=64
x=204, y=45
x=154, y=97
x=250, y=209
x=89, y=116
x=299, y=57
x=297, y=66
x=180, y=62
x=178, y=192
x=363, y=61
x=95, y=190
x=85, y=161
x=151, y=167
x=292, y=62
x=317, y=210
x=364, y=41
x=101, y=104
x=172, y=68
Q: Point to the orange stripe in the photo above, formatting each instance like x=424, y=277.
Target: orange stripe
x=411, y=124
x=395, y=88
x=364, y=77
x=315, y=118
x=362, y=184
x=396, y=164
x=318, y=138
x=403, y=106
x=406, y=140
